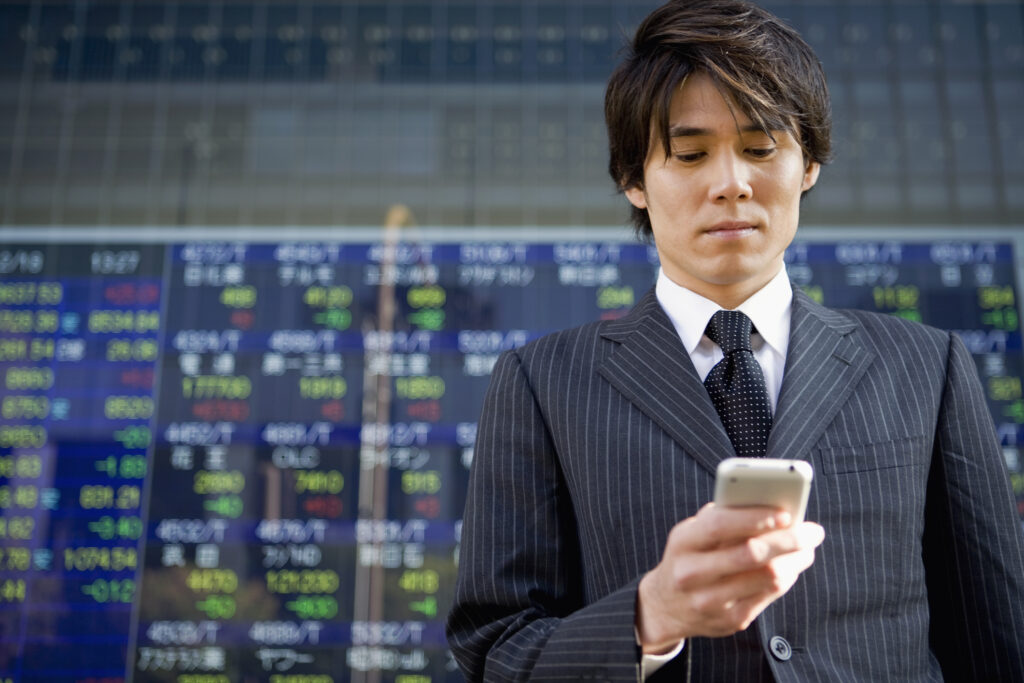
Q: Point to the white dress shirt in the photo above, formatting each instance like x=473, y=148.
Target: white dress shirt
x=769, y=310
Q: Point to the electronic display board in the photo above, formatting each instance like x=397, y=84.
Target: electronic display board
x=229, y=461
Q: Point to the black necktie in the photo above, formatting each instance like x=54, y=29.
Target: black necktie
x=737, y=387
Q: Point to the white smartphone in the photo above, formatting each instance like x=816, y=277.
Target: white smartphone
x=769, y=482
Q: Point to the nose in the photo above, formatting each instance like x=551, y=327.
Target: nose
x=730, y=179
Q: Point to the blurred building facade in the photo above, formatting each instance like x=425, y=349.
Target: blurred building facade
x=480, y=113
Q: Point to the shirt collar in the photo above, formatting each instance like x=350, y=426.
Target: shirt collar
x=769, y=309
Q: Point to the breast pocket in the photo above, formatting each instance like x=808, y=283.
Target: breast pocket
x=870, y=498
x=866, y=457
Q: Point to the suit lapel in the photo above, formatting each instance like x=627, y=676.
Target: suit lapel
x=651, y=368
x=823, y=366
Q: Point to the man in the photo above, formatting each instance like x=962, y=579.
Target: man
x=589, y=548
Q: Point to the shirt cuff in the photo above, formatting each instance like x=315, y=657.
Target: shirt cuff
x=651, y=663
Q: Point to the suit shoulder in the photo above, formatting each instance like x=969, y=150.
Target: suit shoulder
x=890, y=334
x=562, y=341
x=562, y=344
x=872, y=321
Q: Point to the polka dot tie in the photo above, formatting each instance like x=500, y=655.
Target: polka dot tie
x=737, y=386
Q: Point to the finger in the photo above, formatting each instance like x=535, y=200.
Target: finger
x=744, y=587
x=741, y=614
x=713, y=526
x=799, y=537
x=695, y=570
x=761, y=550
x=792, y=563
x=702, y=597
x=772, y=582
x=737, y=592
x=731, y=605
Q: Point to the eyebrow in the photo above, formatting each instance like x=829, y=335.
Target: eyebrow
x=688, y=132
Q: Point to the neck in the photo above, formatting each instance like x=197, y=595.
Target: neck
x=730, y=296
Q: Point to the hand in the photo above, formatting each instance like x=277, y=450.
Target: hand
x=721, y=568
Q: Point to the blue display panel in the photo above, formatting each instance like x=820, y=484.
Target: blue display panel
x=79, y=352
x=231, y=461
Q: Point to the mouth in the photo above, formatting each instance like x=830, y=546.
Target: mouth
x=731, y=229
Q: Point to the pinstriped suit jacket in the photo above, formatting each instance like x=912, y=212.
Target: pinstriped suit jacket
x=594, y=442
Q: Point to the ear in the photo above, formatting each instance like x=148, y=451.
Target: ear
x=636, y=197
x=810, y=176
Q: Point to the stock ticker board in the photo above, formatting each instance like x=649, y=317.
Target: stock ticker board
x=247, y=462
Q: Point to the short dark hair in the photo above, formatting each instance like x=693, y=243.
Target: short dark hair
x=766, y=68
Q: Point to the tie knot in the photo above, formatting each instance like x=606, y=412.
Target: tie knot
x=730, y=330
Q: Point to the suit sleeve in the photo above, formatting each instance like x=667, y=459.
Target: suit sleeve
x=973, y=542
x=519, y=611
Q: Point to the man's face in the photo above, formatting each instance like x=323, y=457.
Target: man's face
x=725, y=205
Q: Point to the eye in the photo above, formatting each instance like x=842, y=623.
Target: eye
x=689, y=157
x=760, y=152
